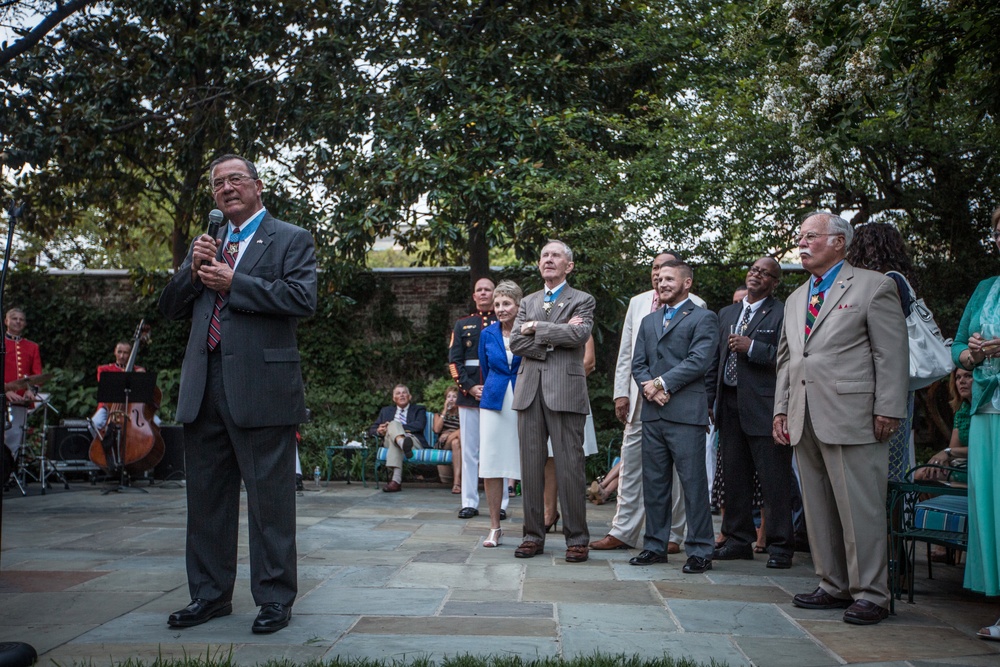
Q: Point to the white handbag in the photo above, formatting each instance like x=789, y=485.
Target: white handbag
x=930, y=352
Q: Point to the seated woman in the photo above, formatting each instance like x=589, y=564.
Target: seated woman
x=449, y=437
x=957, y=451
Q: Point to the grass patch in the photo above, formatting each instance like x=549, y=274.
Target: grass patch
x=225, y=659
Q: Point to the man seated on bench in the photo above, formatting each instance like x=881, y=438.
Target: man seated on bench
x=401, y=427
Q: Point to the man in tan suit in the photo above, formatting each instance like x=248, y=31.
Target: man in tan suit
x=550, y=395
x=840, y=394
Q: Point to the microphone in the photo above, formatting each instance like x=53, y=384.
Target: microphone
x=215, y=218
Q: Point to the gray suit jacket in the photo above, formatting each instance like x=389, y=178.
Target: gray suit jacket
x=682, y=355
x=552, y=358
x=274, y=285
x=755, y=372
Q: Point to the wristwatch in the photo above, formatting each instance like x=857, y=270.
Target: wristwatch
x=658, y=383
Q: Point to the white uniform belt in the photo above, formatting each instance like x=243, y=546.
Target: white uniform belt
x=472, y=362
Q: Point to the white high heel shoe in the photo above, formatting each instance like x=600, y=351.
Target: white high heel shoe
x=494, y=539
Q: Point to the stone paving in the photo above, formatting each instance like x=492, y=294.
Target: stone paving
x=92, y=577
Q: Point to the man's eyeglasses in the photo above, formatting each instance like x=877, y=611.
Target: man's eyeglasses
x=811, y=237
x=757, y=271
x=235, y=180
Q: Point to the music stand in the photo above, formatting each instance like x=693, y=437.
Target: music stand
x=124, y=389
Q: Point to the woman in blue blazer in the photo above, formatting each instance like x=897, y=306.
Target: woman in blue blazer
x=499, y=452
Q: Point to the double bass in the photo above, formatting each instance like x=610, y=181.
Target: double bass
x=130, y=441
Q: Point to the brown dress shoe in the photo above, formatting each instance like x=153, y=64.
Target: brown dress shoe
x=576, y=553
x=673, y=548
x=609, y=542
x=820, y=599
x=865, y=612
x=529, y=549
x=392, y=487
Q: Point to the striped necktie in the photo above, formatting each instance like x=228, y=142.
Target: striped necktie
x=815, y=303
x=729, y=375
x=215, y=326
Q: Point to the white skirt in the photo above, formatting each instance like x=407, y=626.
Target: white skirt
x=499, y=450
x=589, y=438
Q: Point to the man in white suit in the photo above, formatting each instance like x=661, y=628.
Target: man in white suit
x=841, y=392
x=630, y=517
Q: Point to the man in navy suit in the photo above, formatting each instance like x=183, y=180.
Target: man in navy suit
x=241, y=397
x=672, y=356
x=401, y=427
x=743, y=377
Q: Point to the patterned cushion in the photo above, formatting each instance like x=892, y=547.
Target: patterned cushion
x=948, y=513
x=426, y=456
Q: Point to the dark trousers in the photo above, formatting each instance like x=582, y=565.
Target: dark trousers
x=665, y=445
x=218, y=455
x=535, y=425
x=743, y=454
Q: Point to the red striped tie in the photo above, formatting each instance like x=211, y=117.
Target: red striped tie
x=214, y=326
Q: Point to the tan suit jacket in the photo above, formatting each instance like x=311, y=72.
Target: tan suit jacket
x=855, y=364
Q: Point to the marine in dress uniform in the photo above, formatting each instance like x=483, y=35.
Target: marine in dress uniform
x=463, y=364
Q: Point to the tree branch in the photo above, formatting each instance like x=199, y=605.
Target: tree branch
x=61, y=13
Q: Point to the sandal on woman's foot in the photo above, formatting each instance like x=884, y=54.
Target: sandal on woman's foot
x=759, y=549
x=991, y=632
x=594, y=491
x=456, y=489
x=510, y=492
x=494, y=539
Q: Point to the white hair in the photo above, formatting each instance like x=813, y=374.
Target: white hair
x=566, y=248
x=837, y=226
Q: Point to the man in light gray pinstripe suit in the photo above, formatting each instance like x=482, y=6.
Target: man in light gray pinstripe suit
x=550, y=332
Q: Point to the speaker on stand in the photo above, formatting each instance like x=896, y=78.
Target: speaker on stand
x=68, y=449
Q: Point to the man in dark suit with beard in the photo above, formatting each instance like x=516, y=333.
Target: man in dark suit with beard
x=743, y=375
x=241, y=397
x=672, y=356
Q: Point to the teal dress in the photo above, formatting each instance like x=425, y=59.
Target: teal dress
x=982, y=569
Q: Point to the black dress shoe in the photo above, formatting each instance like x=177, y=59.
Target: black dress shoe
x=272, y=617
x=865, y=612
x=408, y=446
x=820, y=599
x=467, y=512
x=198, y=612
x=696, y=565
x=647, y=557
x=730, y=551
x=503, y=514
x=779, y=562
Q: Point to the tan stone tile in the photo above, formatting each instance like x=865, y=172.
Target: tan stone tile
x=890, y=641
x=47, y=581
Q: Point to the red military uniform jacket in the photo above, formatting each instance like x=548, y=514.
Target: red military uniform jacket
x=22, y=359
